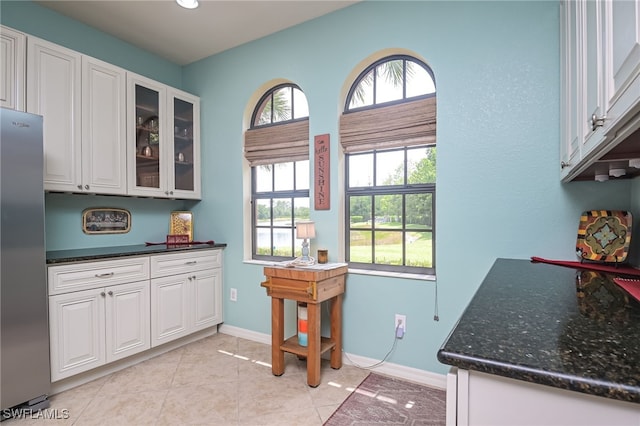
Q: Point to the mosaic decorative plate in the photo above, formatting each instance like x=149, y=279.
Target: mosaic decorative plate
x=604, y=236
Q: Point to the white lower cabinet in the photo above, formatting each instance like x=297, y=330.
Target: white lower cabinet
x=475, y=398
x=103, y=311
x=92, y=327
x=185, y=294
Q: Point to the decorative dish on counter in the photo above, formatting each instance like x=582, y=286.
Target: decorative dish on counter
x=604, y=236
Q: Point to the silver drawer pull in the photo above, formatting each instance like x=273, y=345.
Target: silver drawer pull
x=193, y=262
x=106, y=275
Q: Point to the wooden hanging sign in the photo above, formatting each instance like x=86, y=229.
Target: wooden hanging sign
x=321, y=175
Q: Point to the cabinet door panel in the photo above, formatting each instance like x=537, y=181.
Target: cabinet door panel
x=207, y=304
x=594, y=89
x=184, y=146
x=169, y=309
x=146, y=112
x=127, y=320
x=53, y=91
x=77, y=332
x=104, y=128
x=625, y=41
x=12, y=68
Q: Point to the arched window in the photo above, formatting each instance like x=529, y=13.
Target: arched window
x=388, y=134
x=277, y=148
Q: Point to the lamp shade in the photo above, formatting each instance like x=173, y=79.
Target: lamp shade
x=188, y=4
x=305, y=229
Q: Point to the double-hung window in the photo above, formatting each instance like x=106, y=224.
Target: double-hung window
x=388, y=135
x=277, y=148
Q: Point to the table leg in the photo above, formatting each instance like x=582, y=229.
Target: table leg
x=313, y=335
x=277, y=336
x=336, y=331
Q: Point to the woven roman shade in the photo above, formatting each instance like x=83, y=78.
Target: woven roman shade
x=405, y=124
x=277, y=144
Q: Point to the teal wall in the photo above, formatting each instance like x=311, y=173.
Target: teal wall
x=499, y=194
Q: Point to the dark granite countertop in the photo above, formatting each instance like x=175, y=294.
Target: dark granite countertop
x=84, y=254
x=551, y=325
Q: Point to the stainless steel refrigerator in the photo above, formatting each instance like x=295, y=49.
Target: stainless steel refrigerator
x=24, y=330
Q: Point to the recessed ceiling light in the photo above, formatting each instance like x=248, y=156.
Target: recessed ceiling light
x=188, y=4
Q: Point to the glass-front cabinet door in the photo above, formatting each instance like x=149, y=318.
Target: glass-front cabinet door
x=184, y=112
x=146, y=138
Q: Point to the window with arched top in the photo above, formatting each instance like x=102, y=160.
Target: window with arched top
x=388, y=135
x=277, y=148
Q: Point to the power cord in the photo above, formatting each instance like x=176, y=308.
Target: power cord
x=396, y=336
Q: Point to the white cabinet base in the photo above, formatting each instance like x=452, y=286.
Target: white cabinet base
x=485, y=399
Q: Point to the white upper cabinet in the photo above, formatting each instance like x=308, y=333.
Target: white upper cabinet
x=12, y=68
x=54, y=91
x=82, y=100
x=104, y=115
x=106, y=130
x=600, y=87
x=163, y=140
x=622, y=61
x=184, y=126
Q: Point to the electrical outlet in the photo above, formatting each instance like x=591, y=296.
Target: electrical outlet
x=400, y=325
x=233, y=295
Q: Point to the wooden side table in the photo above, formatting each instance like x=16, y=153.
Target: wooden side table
x=312, y=285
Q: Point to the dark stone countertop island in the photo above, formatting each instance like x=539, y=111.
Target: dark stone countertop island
x=97, y=253
x=551, y=325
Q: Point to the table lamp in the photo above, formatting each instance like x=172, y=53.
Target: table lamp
x=304, y=231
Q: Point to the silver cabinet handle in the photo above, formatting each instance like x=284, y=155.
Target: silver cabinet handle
x=596, y=121
x=564, y=164
x=105, y=275
x=192, y=262
x=110, y=293
x=102, y=294
x=79, y=186
x=86, y=187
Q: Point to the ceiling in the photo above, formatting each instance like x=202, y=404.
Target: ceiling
x=183, y=36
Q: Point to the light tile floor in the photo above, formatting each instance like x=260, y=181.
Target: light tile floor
x=219, y=380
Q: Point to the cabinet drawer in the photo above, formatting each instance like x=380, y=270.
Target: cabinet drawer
x=84, y=276
x=171, y=264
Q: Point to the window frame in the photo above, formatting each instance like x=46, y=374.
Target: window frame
x=292, y=194
x=271, y=195
x=374, y=189
x=377, y=190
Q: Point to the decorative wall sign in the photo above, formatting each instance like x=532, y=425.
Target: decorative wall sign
x=106, y=221
x=321, y=175
x=182, y=224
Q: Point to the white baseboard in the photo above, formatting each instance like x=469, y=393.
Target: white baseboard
x=243, y=333
x=411, y=374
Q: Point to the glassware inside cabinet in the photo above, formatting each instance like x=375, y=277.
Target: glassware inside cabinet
x=183, y=144
x=147, y=137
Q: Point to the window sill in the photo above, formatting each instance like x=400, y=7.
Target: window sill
x=420, y=277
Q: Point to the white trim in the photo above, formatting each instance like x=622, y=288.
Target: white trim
x=243, y=333
x=411, y=374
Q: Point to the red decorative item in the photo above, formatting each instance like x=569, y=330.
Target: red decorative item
x=620, y=270
x=631, y=286
x=321, y=175
x=177, y=239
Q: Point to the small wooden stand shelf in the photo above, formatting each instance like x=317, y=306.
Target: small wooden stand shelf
x=312, y=285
